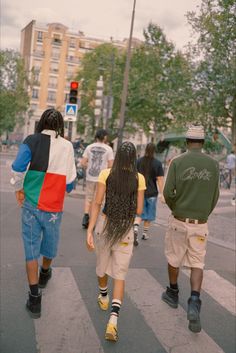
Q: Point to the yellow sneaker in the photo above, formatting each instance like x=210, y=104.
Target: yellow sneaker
x=103, y=304
x=111, y=332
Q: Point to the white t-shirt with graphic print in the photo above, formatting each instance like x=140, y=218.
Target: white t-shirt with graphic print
x=98, y=155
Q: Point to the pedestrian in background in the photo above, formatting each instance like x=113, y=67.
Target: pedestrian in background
x=123, y=188
x=191, y=191
x=97, y=156
x=231, y=166
x=40, y=191
x=152, y=170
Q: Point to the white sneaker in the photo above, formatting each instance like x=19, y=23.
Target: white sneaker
x=145, y=237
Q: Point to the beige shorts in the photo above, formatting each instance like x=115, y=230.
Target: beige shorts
x=185, y=243
x=90, y=190
x=112, y=261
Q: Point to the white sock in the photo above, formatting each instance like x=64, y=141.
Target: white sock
x=113, y=319
x=115, y=308
x=104, y=290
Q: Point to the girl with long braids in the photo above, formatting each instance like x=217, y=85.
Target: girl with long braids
x=123, y=188
x=42, y=171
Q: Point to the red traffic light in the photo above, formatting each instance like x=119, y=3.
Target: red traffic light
x=74, y=85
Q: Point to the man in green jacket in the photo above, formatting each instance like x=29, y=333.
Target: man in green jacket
x=191, y=192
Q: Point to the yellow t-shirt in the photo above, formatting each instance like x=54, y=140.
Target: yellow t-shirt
x=105, y=173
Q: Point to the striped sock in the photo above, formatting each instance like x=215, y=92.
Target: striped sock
x=103, y=291
x=115, y=309
x=145, y=235
x=136, y=227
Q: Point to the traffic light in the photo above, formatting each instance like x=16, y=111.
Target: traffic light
x=73, y=95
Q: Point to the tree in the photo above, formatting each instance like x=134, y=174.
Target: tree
x=215, y=79
x=14, y=99
x=160, y=83
x=96, y=63
x=160, y=90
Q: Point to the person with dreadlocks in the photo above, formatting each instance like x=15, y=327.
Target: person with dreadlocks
x=42, y=171
x=153, y=172
x=123, y=188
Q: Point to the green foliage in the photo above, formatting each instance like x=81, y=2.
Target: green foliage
x=215, y=75
x=13, y=95
x=96, y=63
x=160, y=84
x=160, y=92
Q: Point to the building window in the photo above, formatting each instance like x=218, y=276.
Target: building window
x=36, y=78
x=72, y=43
x=33, y=107
x=54, y=67
x=51, y=96
x=55, y=53
x=52, y=83
x=35, y=93
x=70, y=70
x=56, y=39
x=38, y=51
x=37, y=66
x=39, y=36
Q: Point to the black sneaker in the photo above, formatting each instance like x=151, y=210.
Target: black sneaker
x=33, y=305
x=194, y=307
x=171, y=297
x=136, y=242
x=44, y=277
x=85, y=221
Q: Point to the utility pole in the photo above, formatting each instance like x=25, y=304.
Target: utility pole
x=126, y=81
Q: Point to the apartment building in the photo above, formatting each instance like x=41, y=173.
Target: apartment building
x=52, y=55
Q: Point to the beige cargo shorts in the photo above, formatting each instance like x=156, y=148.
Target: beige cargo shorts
x=185, y=243
x=90, y=190
x=113, y=261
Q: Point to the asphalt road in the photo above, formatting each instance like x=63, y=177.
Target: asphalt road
x=71, y=321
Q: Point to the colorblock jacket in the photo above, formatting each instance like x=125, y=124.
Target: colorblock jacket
x=45, y=169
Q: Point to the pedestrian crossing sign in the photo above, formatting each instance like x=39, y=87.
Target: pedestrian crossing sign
x=71, y=109
x=71, y=112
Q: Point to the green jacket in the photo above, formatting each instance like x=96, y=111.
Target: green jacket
x=192, y=185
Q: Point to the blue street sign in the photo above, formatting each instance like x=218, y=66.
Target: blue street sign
x=71, y=110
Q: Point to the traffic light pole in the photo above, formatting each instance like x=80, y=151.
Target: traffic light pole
x=125, y=82
x=70, y=128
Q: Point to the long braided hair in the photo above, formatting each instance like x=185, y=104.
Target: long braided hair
x=51, y=119
x=146, y=161
x=121, y=194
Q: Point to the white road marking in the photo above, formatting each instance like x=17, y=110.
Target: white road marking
x=169, y=325
x=65, y=325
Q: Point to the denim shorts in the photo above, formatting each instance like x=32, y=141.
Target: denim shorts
x=40, y=232
x=149, y=209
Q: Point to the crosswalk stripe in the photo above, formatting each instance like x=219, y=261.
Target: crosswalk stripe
x=65, y=325
x=169, y=325
x=219, y=289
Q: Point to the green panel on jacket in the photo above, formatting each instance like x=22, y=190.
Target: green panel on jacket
x=35, y=180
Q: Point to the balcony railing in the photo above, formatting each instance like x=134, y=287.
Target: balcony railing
x=73, y=59
x=54, y=71
x=38, y=53
x=57, y=42
x=52, y=85
x=51, y=99
x=55, y=56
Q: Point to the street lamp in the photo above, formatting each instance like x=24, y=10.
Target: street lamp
x=125, y=82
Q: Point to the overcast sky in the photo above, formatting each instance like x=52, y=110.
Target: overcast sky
x=98, y=18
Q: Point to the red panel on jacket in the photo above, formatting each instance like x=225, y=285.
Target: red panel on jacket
x=52, y=193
